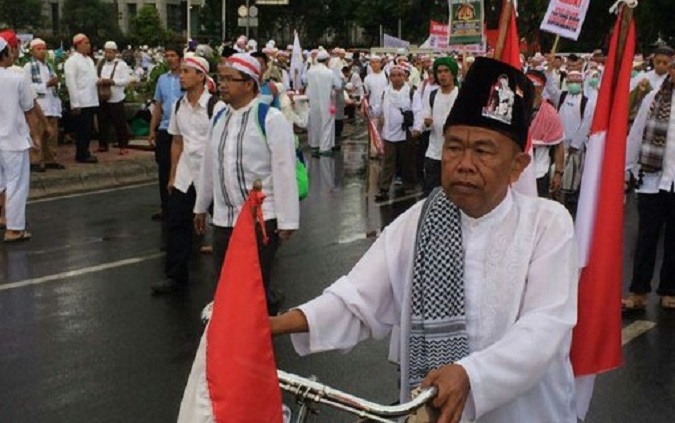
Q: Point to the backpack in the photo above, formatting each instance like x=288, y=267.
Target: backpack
x=209, y=107
x=584, y=101
x=432, y=98
x=301, y=174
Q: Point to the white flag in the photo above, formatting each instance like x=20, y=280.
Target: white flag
x=297, y=64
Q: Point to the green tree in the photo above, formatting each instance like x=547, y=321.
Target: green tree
x=146, y=27
x=21, y=14
x=93, y=18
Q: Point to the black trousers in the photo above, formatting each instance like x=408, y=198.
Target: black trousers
x=82, y=126
x=543, y=186
x=163, y=159
x=179, y=234
x=398, y=156
x=266, y=252
x=111, y=116
x=420, y=154
x=432, y=175
x=655, y=212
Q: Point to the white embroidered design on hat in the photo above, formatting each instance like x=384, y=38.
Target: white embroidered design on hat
x=500, y=102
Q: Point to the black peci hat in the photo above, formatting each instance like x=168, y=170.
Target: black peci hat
x=495, y=96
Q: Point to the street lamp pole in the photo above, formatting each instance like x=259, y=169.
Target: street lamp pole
x=224, y=19
x=189, y=6
x=248, y=18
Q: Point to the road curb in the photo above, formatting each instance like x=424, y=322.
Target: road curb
x=86, y=178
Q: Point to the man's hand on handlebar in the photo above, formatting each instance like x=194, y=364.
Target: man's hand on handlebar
x=453, y=387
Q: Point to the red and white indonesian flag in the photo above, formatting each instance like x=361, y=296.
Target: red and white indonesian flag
x=596, y=344
x=234, y=375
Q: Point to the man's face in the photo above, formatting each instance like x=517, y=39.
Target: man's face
x=397, y=78
x=478, y=165
x=190, y=77
x=444, y=76
x=84, y=47
x=376, y=65
x=172, y=59
x=576, y=65
x=231, y=84
x=557, y=63
x=39, y=52
x=110, y=54
x=661, y=63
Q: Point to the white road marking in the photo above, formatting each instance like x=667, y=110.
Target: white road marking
x=395, y=200
x=634, y=330
x=79, y=272
x=84, y=194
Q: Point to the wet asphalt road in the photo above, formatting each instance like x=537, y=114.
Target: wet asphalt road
x=82, y=340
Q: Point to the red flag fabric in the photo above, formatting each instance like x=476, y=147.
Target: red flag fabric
x=511, y=53
x=596, y=344
x=241, y=372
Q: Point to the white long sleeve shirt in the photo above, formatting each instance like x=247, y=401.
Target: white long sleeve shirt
x=237, y=155
x=577, y=127
x=121, y=78
x=393, y=104
x=374, y=85
x=49, y=102
x=519, y=312
x=652, y=183
x=81, y=81
x=192, y=124
x=443, y=103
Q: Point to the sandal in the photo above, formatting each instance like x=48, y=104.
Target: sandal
x=668, y=302
x=22, y=236
x=634, y=302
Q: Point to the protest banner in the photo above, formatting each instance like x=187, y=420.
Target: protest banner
x=466, y=22
x=565, y=18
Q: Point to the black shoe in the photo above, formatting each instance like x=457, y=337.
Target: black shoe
x=382, y=196
x=57, y=166
x=336, y=148
x=37, y=168
x=167, y=286
x=89, y=160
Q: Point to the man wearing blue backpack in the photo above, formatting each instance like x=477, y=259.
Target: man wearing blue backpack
x=249, y=142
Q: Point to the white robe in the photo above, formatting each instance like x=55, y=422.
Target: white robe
x=521, y=305
x=321, y=126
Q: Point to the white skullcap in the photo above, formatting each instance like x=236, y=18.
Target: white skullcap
x=37, y=42
x=252, y=43
x=246, y=64
x=197, y=62
x=375, y=57
x=110, y=45
x=349, y=86
x=289, y=47
x=77, y=39
x=336, y=50
x=323, y=55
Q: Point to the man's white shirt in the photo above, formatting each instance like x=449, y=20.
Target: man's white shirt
x=237, y=155
x=49, y=102
x=81, y=81
x=121, y=78
x=192, y=123
x=14, y=131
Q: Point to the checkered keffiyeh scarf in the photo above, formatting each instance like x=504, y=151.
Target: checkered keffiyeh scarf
x=36, y=77
x=438, y=331
x=656, y=130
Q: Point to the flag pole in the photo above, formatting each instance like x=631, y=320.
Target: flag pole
x=507, y=9
x=627, y=17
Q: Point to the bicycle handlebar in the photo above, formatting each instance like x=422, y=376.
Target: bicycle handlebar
x=320, y=393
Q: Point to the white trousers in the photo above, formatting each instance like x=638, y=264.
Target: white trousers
x=15, y=180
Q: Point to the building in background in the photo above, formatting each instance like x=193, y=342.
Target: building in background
x=173, y=13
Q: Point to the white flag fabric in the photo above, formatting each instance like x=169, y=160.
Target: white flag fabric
x=297, y=64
